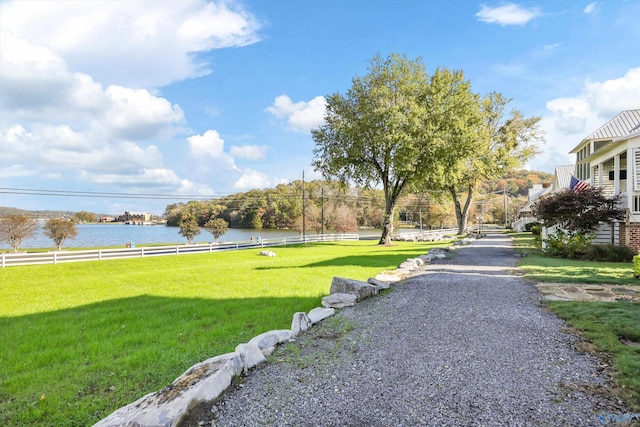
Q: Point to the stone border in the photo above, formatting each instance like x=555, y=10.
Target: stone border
x=207, y=380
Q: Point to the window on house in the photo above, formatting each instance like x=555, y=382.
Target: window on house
x=623, y=174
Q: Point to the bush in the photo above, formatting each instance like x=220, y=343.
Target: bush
x=535, y=229
x=608, y=253
x=567, y=245
x=636, y=266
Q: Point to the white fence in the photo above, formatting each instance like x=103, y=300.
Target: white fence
x=425, y=235
x=15, y=259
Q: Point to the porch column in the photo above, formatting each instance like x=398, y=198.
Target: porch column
x=600, y=174
x=592, y=175
x=631, y=176
x=616, y=174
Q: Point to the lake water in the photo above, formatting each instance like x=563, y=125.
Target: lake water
x=92, y=235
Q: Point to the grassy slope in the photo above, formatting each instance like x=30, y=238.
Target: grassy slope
x=82, y=339
x=601, y=323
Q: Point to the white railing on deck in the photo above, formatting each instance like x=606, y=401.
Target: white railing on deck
x=25, y=258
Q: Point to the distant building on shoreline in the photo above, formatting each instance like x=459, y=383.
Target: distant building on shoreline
x=135, y=217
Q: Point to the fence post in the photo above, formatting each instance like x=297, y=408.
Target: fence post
x=3, y=265
x=55, y=257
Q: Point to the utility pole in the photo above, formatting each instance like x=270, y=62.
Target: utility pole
x=303, y=209
x=504, y=191
x=420, y=211
x=322, y=210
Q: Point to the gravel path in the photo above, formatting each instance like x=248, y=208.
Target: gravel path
x=466, y=342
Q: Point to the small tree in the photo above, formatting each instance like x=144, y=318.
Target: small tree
x=84, y=216
x=58, y=230
x=344, y=219
x=189, y=228
x=217, y=227
x=577, y=214
x=15, y=228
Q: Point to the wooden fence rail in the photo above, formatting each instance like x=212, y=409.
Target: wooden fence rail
x=55, y=257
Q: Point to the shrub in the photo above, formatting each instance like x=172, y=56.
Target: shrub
x=608, y=253
x=535, y=229
x=636, y=266
x=562, y=244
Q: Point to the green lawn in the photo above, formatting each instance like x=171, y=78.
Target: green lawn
x=604, y=324
x=81, y=339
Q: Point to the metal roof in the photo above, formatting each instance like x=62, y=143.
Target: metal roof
x=621, y=125
x=624, y=124
x=562, y=177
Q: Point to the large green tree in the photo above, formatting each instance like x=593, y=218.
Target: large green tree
x=506, y=141
x=388, y=129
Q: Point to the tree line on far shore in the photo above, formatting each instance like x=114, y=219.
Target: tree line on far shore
x=328, y=205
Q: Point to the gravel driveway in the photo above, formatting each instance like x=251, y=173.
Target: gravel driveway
x=464, y=343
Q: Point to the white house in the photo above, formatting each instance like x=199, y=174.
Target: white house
x=561, y=181
x=609, y=158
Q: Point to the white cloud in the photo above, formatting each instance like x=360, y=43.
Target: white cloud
x=552, y=46
x=591, y=7
x=59, y=148
x=136, y=114
x=58, y=123
x=158, y=177
x=612, y=96
x=16, y=171
x=249, y=152
x=300, y=116
x=251, y=179
x=507, y=14
x=210, y=144
x=134, y=43
x=51, y=176
x=571, y=119
x=35, y=91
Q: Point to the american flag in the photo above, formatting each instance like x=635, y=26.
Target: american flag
x=577, y=185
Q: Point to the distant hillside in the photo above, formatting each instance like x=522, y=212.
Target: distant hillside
x=4, y=211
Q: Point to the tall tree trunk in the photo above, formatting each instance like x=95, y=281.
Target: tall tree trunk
x=462, y=213
x=387, y=225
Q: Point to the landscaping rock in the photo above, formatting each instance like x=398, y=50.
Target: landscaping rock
x=339, y=300
x=362, y=290
x=250, y=354
x=379, y=283
x=268, y=340
x=320, y=313
x=390, y=276
x=411, y=264
x=300, y=322
x=202, y=382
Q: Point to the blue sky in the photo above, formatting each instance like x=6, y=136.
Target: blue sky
x=196, y=98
